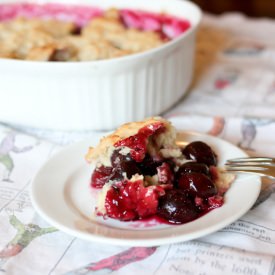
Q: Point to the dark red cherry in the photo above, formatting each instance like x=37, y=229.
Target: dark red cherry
x=123, y=164
x=197, y=184
x=176, y=207
x=116, y=175
x=191, y=167
x=200, y=152
x=131, y=200
x=148, y=166
x=100, y=176
x=117, y=158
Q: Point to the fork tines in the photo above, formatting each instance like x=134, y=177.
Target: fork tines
x=257, y=159
x=263, y=166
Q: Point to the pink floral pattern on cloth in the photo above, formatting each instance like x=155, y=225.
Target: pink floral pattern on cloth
x=119, y=260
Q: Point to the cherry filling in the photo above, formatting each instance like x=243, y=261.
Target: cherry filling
x=131, y=200
x=122, y=165
x=169, y=27
x=180, y=195
x=100, y=176
x=148, y=166
x=165, y=174
x=138, y=143
x=137, y=162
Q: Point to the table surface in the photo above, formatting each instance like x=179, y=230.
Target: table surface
x=232, y=97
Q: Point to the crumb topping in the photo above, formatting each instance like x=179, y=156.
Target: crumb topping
x=53, y=32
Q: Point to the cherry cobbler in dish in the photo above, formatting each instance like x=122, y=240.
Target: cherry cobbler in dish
x=142, y=172
x=55, y=32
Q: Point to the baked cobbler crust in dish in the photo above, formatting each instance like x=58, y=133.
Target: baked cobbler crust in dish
x=166, y=134
x=142, y=172
x=108, y=34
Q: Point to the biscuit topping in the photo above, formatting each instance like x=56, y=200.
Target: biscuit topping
x=56, y=32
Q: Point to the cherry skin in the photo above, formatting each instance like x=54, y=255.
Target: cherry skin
x=176, y=207
x=123, y=164
x=197, y=184
x=120, y=164
x=100, y=176
x=191, y=167
x=200, y=152
x=148, y=166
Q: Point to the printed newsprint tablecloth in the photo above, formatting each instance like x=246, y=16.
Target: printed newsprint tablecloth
x=232, y=97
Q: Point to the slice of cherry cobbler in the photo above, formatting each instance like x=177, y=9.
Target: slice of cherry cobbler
x=142, y=172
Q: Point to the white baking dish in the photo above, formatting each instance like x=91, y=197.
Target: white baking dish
x=100, y=95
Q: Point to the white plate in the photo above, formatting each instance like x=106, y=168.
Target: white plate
x=62, y=196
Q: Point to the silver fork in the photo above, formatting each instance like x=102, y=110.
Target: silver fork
x=260, y=166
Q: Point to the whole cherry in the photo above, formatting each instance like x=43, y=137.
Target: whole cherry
x=191, y=167
x=177, y=207
x=197, y=184
x=200, y=152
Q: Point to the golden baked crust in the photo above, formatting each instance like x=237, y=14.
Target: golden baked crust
x=103, y=37
x=102, y=152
